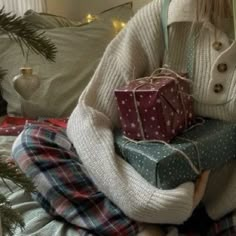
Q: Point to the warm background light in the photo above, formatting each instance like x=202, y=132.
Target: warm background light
x=118, y=25
x=90, y=18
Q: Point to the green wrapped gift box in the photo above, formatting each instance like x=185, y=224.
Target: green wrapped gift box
x=206, y=146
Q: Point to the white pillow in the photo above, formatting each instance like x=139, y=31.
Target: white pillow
x=79, y=52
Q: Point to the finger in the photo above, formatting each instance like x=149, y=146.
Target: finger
x=203, y=177
x=200, y=187
x=206, y=173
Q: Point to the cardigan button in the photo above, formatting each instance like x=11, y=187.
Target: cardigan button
x=222, y=67
x=217, y=45
x=218, y=88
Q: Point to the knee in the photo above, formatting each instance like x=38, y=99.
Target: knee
x=25, y=145
x=17, y=146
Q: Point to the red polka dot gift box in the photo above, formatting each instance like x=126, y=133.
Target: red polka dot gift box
x=158, y=107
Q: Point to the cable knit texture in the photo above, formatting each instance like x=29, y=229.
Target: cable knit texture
x=137, y=51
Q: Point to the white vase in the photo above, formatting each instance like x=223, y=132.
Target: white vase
x=26, y=83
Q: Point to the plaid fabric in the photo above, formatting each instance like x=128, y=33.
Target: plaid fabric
x=45, y=154
x=224, y=227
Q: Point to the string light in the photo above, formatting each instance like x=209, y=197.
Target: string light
x=118, y=25
x=90, y=18
x=123, y=24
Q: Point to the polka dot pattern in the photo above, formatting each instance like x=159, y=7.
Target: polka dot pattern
x=11, y=131
x=166, y=169
x=155, y=109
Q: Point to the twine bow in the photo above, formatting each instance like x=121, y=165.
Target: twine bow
x=151, y=80
x=166, y=73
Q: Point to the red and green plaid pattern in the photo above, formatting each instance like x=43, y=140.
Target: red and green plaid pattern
x=224, y=227
x=45, y=154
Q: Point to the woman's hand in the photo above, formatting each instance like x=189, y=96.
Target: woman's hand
x=200, y=187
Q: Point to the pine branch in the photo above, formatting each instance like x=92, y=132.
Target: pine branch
x=25, y=34
x=32, y=40
x=10, y=218
x=2, y=74
x=12, y=173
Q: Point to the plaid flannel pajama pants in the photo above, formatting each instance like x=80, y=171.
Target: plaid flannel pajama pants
x=45, y=154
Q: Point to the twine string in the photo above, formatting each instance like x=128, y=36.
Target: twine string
x=197, y=170
x=151, y=80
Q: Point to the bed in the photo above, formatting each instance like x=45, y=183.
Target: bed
x=61, y=84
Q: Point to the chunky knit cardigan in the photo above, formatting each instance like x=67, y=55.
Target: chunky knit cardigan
x=137, y=51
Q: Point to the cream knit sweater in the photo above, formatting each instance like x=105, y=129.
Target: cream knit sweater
x=137, y=51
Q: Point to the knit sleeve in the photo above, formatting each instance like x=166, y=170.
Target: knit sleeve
x=136, y=51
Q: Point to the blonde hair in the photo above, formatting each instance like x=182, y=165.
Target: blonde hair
x=215, y=10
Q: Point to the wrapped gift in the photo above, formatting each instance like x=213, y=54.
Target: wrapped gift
x=155, y=108
x=204, y=147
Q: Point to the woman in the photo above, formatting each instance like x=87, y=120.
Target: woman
x=137, y=51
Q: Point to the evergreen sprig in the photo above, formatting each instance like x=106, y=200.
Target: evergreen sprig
x=10, y=218
x=25, y=33
x=2, y=74
x=29, y=39
x=12, y=172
